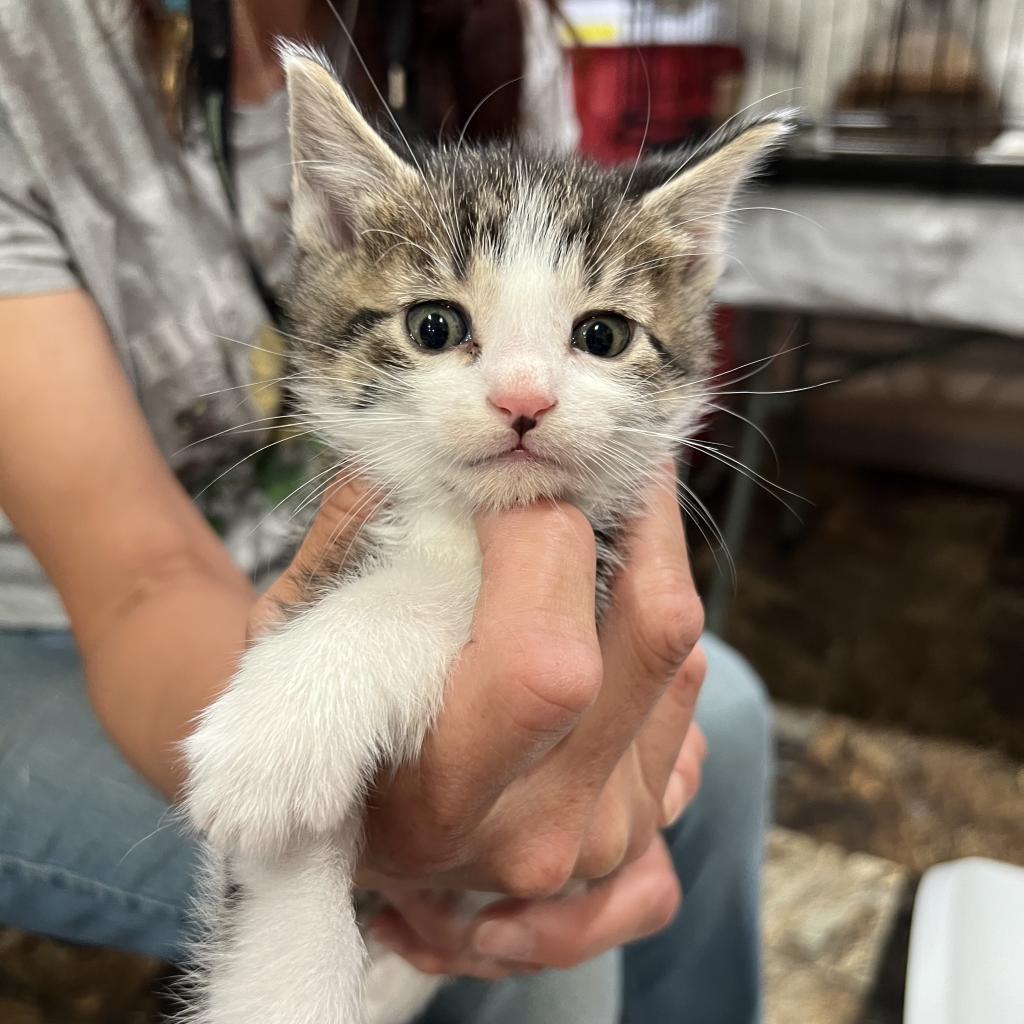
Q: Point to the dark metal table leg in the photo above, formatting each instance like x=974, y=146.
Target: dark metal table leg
x=740, y=504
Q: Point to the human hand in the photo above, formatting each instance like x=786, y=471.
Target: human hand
x=428, y=928
x=524, y=936
x=553, y=756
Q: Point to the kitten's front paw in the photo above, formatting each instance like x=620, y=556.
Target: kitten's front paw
x=262, y=773
x=232, y=797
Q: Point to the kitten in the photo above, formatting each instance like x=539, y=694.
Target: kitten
x=483, y=327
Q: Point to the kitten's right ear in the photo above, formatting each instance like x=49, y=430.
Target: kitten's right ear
x=338, y=161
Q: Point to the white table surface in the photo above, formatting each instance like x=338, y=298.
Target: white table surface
x=899, y=255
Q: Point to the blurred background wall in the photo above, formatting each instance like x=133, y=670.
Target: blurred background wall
x=869, y=561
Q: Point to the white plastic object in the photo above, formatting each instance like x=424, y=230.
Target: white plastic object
x=966, y=963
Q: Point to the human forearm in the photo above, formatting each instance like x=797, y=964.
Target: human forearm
x=163, y=657
x=156, y=604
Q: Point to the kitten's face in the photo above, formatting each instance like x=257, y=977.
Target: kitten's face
x=491, y=327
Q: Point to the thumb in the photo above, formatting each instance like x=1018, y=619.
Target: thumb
x=325, y=549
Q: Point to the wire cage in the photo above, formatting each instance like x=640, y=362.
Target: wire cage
x=920, y=80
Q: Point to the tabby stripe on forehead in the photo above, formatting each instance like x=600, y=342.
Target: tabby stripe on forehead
x=584, y=232
x=467, y=228
x=492, y=231
x=477, y=229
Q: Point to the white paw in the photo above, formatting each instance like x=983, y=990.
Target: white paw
x=266, y=769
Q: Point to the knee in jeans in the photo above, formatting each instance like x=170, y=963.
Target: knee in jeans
x=735, y=714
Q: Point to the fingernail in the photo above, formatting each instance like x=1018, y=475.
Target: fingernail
x=506, y=940
x=673, y=803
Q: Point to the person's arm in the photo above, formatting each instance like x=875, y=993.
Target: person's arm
x=544, y=764
x=157, y=607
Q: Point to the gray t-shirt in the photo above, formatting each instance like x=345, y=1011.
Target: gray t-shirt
x=96, y=194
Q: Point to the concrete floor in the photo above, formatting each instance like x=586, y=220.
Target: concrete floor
x=861, y=812
x=828, y=914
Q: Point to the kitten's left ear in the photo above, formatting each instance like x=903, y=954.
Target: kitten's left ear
x=697, y=199
x=339, y=163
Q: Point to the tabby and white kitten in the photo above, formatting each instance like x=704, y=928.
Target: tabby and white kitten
x=483, y=327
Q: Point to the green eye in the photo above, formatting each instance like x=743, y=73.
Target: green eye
x=436, y=326
x=602, y=334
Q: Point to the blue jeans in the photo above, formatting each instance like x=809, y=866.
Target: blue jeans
x=90, y=854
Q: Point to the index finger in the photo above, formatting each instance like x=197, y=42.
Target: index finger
x=532, y=665
x=653, y=623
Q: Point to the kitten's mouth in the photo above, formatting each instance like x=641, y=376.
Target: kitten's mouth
x=517, y=475
x=519, y=455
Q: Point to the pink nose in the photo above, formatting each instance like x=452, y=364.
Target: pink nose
x=522, y=409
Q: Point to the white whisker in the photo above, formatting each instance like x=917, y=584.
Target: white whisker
x=251, y=384
x=754, y=426
x=220, y=476
x=715, y=451
x=781, y=391
x=458, y=148
x=269, y=423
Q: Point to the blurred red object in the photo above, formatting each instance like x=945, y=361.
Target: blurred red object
x=688, y=84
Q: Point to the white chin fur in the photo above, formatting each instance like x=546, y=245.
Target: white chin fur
x=506, y=483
